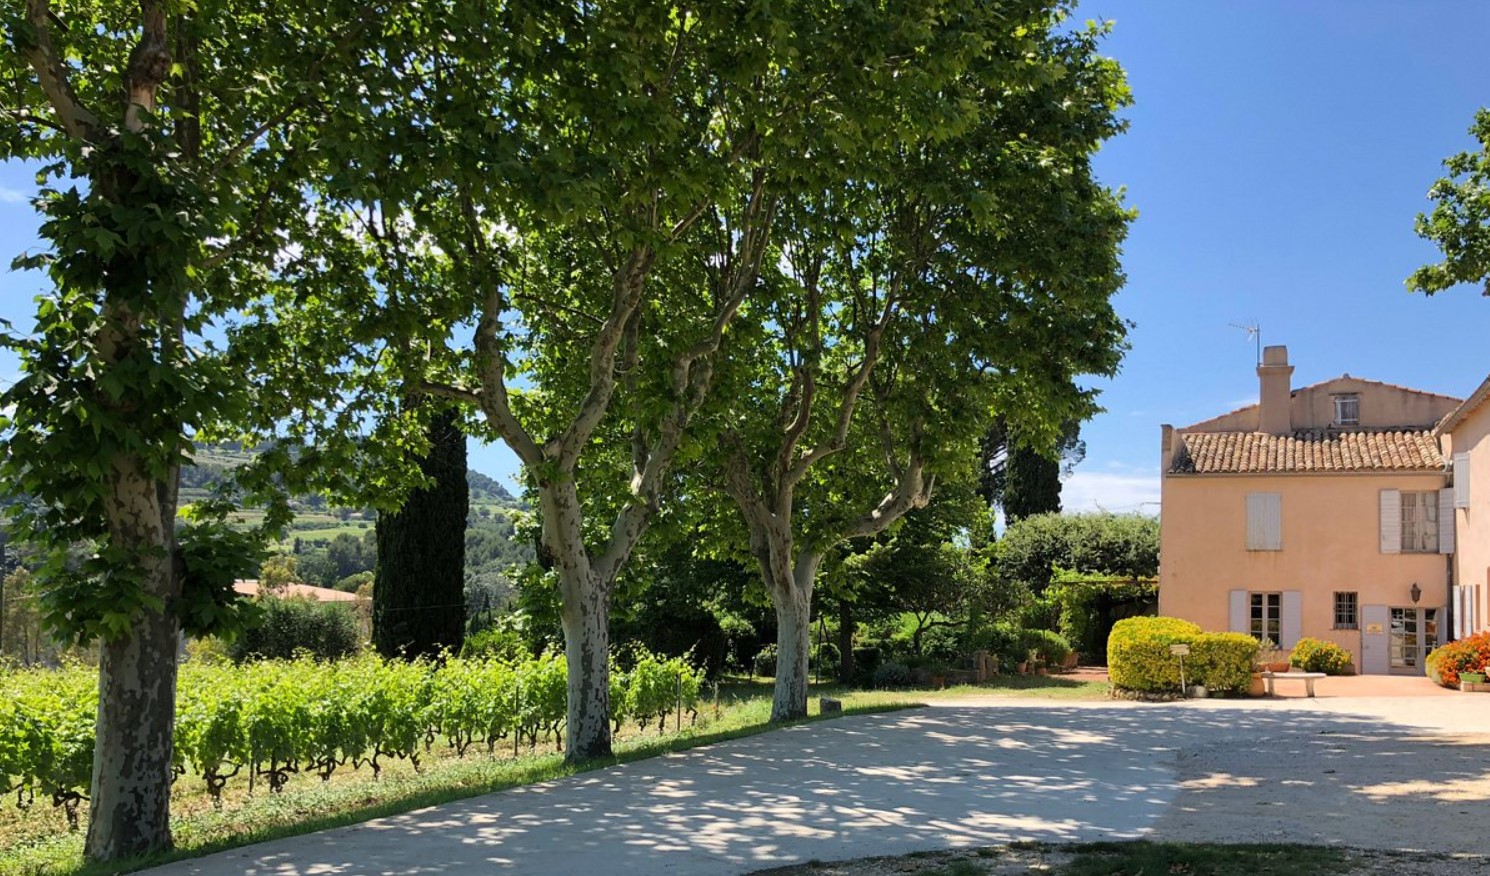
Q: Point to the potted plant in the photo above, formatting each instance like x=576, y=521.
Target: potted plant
x=1270, y=657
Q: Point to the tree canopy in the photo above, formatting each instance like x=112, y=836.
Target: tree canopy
x=1032, y=549
x=174, y=142
x=1460, y=222
x=960, y=272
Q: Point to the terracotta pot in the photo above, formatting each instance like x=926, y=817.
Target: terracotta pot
x=1257, y=688
x=1278, y=667
x=1021, y=667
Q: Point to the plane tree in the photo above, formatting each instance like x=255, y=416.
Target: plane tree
x=570, y=214
x=1460, y=222
x=172, y=142
x=963, y=275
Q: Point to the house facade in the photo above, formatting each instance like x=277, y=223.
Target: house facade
x=1465, y=435
x=1325, y=511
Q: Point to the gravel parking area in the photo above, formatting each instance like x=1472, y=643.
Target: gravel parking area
x=1378, y=773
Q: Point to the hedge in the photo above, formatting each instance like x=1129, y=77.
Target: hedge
x=1470, y=654
x=1223, y=661
x=1138, y=656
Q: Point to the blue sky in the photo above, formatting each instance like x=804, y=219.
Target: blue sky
x=1277, y=156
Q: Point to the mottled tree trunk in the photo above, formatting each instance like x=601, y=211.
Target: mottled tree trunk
x=793, y=621
x=790, y=583
x=585, y=597
x=131, y=783
x=587, y=656
x=419, y=606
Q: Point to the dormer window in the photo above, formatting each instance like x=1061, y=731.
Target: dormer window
x=1347, y=410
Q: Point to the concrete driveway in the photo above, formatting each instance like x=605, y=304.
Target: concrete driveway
x=1374, y=773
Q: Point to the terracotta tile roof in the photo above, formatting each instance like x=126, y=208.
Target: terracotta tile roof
x=1461, y=413
x=304, y=591
x=1306, y=451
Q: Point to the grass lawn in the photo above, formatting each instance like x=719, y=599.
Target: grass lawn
x=1044, y=687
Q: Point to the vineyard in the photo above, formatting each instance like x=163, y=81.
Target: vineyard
x=269, y=720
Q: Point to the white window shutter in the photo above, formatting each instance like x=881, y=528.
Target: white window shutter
x=1291, y=621
x=1391, y=522
x=1445, y=521
x=1461, y=480
x=1237, y=613
x=1460, y=610
x=1264, y=522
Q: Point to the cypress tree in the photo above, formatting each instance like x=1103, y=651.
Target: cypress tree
x=1020, y=480
x=419, y=603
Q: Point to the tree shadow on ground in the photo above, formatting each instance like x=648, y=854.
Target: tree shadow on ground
x=947, y=777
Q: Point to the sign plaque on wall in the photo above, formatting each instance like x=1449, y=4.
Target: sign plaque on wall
x=1373, y=629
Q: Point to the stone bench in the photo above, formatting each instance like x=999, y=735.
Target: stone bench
x=1306, y=677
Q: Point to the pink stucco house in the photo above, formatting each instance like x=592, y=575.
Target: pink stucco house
x=1331, y=511
x=1465, y=436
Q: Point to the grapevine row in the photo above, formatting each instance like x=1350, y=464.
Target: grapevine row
x=273, y=719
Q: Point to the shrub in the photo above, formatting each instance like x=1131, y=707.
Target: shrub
x=1007, y=643
x=353, y=583
x=826, y=658
x=1222, y=661
x=1045, y=646
x=1471, y=654
x=501, y=642
x=866, y=661
x=326, y=630
x=942, y=645
x=890, y=674
x=1138, y=655
x=1317, y=655
x=765, y=662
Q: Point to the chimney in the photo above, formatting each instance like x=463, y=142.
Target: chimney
x=1275, y=392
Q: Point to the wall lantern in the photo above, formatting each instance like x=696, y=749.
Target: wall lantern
x=1417, y=592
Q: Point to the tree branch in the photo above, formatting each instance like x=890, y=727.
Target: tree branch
x=451, y=391
x=72, y=117
x=911, y=492
x=491, y=366
x=855, y=388
x=149, y=65
x=627, y=285
x=692, y=375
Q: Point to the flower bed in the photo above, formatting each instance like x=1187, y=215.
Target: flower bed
x=1448, y=662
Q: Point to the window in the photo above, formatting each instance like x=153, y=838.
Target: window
x=1264, y=522
x=1345, y=610
x=1347, y=410
x=1420, y=522
x=1266, y=609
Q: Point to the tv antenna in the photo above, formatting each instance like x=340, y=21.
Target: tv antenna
x=1254, y=333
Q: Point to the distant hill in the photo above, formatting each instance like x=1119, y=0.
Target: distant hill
x=488, y=489
x=213, y=463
